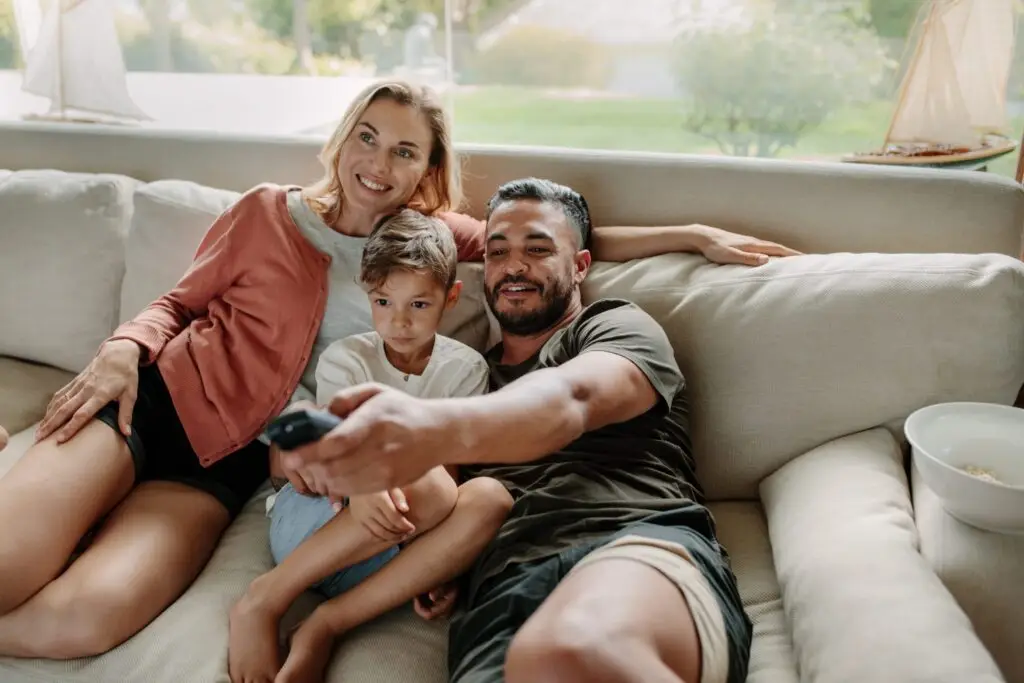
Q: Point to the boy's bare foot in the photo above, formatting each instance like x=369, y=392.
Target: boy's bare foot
x=311, y=648
x=254, y=651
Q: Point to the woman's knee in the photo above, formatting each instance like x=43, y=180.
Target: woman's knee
x=74, y=627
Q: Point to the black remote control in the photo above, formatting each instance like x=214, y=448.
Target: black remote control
x=300, y=427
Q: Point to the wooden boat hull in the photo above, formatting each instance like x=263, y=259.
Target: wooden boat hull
x=970, y=159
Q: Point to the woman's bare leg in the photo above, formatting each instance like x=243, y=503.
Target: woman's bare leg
x=253, y=654
x=435, y=558
x=50, y=498
x=145, y=555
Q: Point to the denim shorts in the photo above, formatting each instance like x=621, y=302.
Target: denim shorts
x=294, y=518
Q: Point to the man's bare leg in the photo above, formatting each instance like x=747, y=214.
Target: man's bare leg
x=435, y=558
x=614, y=621
x=145, y=555
x=253, y=653
x=50, y=498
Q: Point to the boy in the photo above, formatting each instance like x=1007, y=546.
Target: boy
x=408, y=269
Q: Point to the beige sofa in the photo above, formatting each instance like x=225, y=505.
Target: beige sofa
x=801, y=374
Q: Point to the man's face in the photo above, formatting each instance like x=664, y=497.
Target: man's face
x=532, y=266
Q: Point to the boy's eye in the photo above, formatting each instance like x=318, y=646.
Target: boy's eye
x=380, y=302
x=420, y=304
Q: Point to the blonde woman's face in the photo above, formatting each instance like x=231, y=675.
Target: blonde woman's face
x=385, y=158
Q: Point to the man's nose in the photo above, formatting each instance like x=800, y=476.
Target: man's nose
x=515, y=266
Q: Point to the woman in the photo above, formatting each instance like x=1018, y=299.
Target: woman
x=155, y=447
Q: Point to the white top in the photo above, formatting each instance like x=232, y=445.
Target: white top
x=453, y=370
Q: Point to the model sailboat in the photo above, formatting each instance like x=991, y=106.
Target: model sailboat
x=952, y=109
x=76, y=62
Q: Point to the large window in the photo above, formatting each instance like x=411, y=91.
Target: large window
x=803, y=79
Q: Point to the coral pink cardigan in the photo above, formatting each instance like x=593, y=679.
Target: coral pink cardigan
x=234, y=335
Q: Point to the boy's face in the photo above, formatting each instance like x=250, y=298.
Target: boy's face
x=407, y=309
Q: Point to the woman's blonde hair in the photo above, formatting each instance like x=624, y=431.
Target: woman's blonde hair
x=440, y=189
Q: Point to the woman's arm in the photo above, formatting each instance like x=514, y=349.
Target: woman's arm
x=622, y=243
x=211, y=273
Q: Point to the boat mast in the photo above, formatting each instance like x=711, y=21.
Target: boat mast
x=907, y=77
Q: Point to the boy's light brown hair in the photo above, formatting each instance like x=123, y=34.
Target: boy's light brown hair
x=408, y=240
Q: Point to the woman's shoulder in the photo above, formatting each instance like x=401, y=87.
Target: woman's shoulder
x=268, y=198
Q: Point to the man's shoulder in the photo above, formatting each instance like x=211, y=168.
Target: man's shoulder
x=614, y=313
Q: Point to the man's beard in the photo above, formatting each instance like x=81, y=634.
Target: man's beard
x=555, y=301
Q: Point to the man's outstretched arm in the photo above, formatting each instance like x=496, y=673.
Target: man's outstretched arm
x=546, y=410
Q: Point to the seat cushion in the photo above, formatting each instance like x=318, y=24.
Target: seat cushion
x=982, y=570
x=25, y=389
x=61, y=263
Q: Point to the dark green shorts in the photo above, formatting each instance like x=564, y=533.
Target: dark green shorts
x=483, y=628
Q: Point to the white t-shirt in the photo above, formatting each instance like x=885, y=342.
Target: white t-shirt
x=453, y=370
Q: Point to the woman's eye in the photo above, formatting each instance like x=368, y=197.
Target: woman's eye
x=404, y=153
x=366, y=137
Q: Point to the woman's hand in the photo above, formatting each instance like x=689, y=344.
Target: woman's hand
x=113, y=375
x=383, y=514
x=722, y=246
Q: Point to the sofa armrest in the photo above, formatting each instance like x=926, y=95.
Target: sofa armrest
x=25, y=391
x=862, y=603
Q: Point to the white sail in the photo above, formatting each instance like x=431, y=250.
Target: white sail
x=77, y=61
x=954, y=92
x=28, y=18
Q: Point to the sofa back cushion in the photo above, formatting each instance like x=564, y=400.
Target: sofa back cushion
x=170, y=219
x=783, y=358
x=61, y=263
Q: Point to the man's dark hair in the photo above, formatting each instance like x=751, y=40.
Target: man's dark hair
x=538, y=189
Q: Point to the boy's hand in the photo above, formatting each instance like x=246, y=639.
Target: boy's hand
x=383, y=514
x=437, y=603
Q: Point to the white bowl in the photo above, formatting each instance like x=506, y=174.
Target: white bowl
x=948, y=437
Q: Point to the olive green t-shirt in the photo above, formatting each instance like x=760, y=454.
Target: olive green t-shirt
x=609, y=477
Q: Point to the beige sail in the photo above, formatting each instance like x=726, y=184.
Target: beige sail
x=77, y=63
x=954, y=92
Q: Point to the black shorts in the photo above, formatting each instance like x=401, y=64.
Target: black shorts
x=161, y=450
x=482, y=629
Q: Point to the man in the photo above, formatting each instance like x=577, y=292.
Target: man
x=607, y=568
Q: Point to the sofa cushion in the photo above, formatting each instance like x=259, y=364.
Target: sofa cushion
x=25, y=390
x=787, y=356
x=982, y=570
x=862, y=603
x=170, y=219
x=61, y=263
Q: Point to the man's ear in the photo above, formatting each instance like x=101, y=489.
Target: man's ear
x=582, y=263
x=453, y=295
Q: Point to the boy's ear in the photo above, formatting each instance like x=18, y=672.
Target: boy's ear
x=453, y=295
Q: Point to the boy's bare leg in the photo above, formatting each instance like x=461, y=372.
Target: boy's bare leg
x=253, y=653
x=433, y=559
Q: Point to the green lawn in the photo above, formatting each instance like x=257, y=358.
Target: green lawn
x=531, y=117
